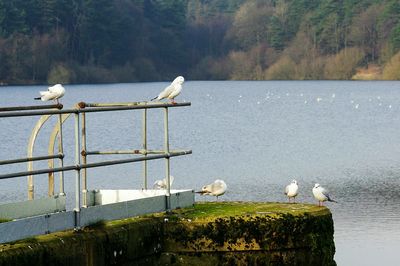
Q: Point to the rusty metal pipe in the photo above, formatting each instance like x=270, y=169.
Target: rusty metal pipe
x=95, y=109
x=30, y=159
x=31, y=107
x=61, y=151
x=84, y=160
x=167, y=159
x=93, y=165
x=145, y=151
x=142, y=152
x=77, y=208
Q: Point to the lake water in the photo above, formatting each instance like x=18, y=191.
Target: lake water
x=257, y=136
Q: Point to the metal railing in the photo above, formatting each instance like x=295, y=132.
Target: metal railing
x=81, y=152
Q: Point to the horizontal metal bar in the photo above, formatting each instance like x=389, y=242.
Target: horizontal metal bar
x=147, y=158
x=34, y=113
x=84, y=105
x=113, y=152
x=148, y=105
x=30, y=159
x=30, y=107
x=93, y=165
x=141, y=151
x=38, y=172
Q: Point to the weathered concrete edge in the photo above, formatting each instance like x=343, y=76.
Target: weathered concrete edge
x=54, y=222
x=134, y=239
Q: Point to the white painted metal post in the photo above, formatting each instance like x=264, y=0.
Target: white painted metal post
x=167, y=159
x=61, y=151
x=144, y=133
x=84, y=161
x=78, y=174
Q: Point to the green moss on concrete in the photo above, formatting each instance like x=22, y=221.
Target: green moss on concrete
x=210, y=210
x=213, y=233
x=265, y=228
x=103, y=244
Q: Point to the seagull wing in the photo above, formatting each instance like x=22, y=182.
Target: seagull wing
x=218, y=187
x=166, y=92
x=326, y=194
x=171, y=180
x=56, y=91
x=47, y=95
x=175, y=91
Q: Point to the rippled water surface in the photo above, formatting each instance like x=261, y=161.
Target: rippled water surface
x=257, y=136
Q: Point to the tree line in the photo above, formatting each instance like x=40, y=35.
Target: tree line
x=90, y=41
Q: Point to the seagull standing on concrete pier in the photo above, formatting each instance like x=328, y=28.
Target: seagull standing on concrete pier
x=173, y=90
x=53, y=93
x=162, y=184
x=321, y=194
x=217, y=188
x=292, y=190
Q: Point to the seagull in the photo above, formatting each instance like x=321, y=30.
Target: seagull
x=321, y=194
x=162, y=184
x=291, y=190
x=53, y=93
x=217, y=188
x=173, y=90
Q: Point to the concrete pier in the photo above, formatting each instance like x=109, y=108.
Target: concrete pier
x=212, y=233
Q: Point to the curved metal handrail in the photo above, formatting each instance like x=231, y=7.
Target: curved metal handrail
x=31, y=143
x=52, y=141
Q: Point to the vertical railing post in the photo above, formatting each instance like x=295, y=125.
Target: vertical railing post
x=144, y=135
x=167, y=159
x=84, y=161
x=60, y=151
x=30, y=188
x=77, y=174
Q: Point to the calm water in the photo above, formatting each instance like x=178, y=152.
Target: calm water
x=257, y=136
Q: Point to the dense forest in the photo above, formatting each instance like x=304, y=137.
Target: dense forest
x=90, y=41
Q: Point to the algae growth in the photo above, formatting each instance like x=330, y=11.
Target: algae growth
x=268, y=231
x=210, y=210
x=210, y=233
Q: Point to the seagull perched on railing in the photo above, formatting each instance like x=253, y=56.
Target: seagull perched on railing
x=162, y=184
x=217, y=188
x=321, y=194
x=53, y=93
x=173, y=90
x=291, y=190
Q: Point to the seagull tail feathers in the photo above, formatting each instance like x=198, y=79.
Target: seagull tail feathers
x=331, y=200
x=37, y=98
x=200, y=192
x=154, y=98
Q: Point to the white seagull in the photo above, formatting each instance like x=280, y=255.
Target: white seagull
x=292, y=190
x=217, y=188
x=173, y=90
x=162, y=184
x=53, y=93
x=321, y=194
